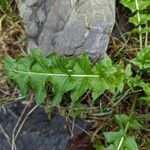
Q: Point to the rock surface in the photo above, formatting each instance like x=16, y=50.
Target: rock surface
x=37, y=133
x=68, y=26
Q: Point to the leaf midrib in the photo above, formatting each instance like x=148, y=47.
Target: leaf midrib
x=56, y=74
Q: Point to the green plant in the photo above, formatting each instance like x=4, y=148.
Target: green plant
x=76, y=75
x=98, y=146
x=120, y=140
x=140, y=18
x=142, y=60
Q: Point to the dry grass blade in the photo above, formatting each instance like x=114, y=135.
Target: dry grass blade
x=5, y=134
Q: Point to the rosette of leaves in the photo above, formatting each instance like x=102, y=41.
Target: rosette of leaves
x=74, y=74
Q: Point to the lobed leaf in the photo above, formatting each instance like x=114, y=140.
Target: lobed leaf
x=75, y=74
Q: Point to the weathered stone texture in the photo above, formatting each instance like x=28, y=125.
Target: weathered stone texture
x=68, y=26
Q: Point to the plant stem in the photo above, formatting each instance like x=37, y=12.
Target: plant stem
x=127, y=125
x=139, y=21
x=56, y=74
x=146, y=37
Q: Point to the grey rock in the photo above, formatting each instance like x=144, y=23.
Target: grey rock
x=37, y=133
x=68, y=26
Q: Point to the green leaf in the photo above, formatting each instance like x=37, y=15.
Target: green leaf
x=146, y=99
x=9, y=64
x=105, y=65
x=131, y=4
x=111, y=147
x=82, y=66
x=98, y=146
x=134, y=124
x=81, y=86
x=61, y=85
x=143, y=59
x=122, y=120
x=38, y=85
x=98, y=87
x=22, y=80
x=130, y=143
x=143, y=17
x=143, y=30
x=114, y=136
x=38, y=57
x=146, y=88
x=75, y=74
x=16, y=70
x=138, y=82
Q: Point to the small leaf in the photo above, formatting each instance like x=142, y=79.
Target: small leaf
x=144, y=18
x=133, y=123
x=130, y=143
x=111, y=147
x=113, y=136
x=143, y=59
x=131, y=4
x=143, y=30
x=122, y=120
x=98, y=146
